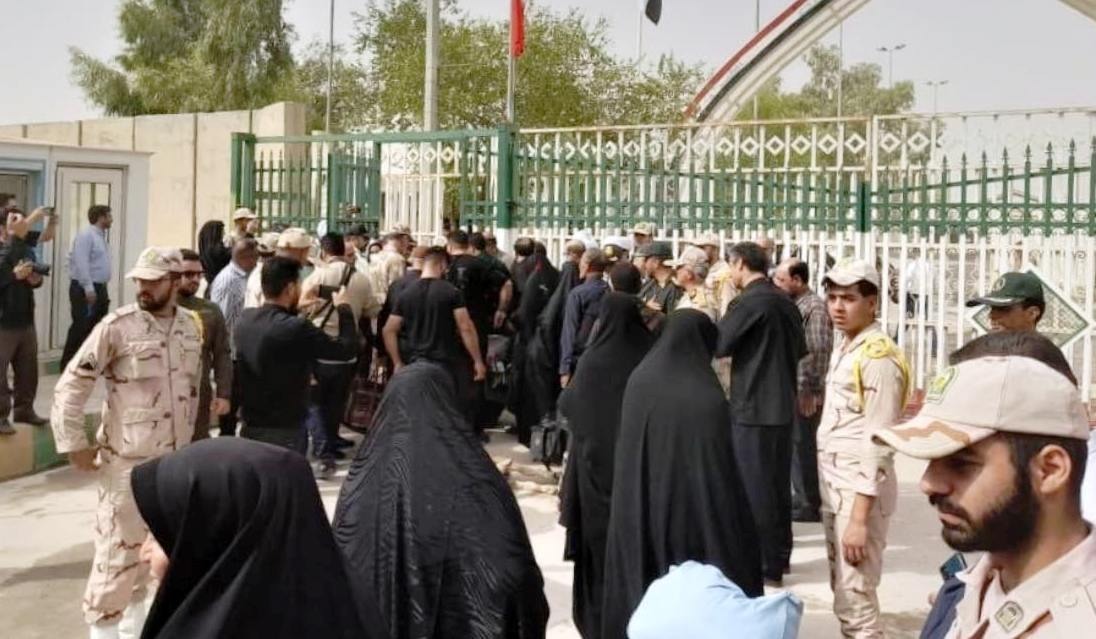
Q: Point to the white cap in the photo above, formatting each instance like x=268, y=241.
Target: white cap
x=243, y=213
x=981, y=397
x=849, y=272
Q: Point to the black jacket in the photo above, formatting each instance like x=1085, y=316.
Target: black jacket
x=16, y=296
x=275, y=351
x=763, y=334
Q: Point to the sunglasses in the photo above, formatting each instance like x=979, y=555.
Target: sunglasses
x=193, y=273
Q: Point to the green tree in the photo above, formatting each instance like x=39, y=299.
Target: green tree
x=567, y=76
x=863, y=93
x=192, y=55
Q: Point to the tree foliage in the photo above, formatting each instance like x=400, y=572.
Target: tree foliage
x=863, y=93
x=567, y=77
x=191, y=55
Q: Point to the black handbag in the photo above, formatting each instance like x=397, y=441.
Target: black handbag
x=548, y=440
x=499, y=371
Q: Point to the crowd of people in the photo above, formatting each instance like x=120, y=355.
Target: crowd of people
x=709, y=400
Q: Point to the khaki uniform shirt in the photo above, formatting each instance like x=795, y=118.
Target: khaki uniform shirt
x=701, y=300
x=1058, y=602
x=388, y=266
x=362, y=300
x=253, y=298
x=851, y=416
x=719, y=286
x=152, y=384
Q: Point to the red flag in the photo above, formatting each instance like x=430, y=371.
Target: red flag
x=517, y=28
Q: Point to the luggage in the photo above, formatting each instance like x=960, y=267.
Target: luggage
x=365, y=397
x=548, y=440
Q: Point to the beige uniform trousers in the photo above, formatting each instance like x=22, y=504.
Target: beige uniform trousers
x=118, y=576
x=855, y=602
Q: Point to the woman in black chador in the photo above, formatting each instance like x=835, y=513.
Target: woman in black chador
x=592, y=406
x=676, y=489
x=430, y=529
x=243, y=548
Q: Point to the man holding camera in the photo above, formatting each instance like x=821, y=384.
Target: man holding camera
x=20, y=274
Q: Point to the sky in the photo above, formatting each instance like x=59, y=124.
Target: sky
x=994, y=54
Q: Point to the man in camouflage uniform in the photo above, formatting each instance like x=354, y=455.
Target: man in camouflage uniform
x=149, y=353
x=718, y=281
x=865, y=392
x=691, y=269
x=216, y=354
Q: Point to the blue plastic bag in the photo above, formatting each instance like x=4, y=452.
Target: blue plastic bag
x=697, y=601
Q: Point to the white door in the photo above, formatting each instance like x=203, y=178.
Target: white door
x=78, y=189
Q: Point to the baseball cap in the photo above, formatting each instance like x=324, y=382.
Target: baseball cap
x=294, y=238
x=268, y=242
x=981, y=397
x=399, y=229
x=1011, y=289
x=708, y=239
x=661, y=250
x=156, y=263
x=643, y=228
x=243, y=213
x=619, y=241
x=849, y=272
x=693, y=257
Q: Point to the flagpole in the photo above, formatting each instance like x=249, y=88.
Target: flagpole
x=511, y=85
x=639, y=33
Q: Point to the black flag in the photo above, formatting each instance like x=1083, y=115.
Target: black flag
x=654, y=10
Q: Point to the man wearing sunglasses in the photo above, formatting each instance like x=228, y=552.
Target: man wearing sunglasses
x=216, y=355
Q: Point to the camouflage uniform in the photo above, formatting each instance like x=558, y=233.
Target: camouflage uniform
x=865, y=392
x=719, y=286
x=152, y=376
x=701, y=300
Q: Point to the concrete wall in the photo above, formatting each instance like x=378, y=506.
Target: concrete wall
x=189, y=173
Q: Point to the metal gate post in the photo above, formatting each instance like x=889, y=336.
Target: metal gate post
x=242, y=170
x=504, y=211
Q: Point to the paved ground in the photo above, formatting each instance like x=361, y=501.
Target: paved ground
x=45, y=551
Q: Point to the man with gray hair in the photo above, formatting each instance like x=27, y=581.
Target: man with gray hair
x=692, y=269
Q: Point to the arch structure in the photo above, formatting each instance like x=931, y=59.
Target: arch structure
x=778, y=44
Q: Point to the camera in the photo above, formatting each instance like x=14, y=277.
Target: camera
x=40, y=269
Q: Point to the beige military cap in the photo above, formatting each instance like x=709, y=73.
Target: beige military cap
x=981, y=397
x=643, y=228
x=294, y=238
x=156, y=263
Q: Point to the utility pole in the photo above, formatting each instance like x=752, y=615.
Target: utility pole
x=639, y=35
x=330, y=67
x=757, y=29
x=890, y=61
x=935, y=84
x=840, y=69
x=430, y=94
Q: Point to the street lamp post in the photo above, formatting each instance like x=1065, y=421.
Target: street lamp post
x=330, y=67
x=757, y=29
x=890, y=61
x=935, y=84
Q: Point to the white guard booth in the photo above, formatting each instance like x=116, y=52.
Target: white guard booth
x=72, y=179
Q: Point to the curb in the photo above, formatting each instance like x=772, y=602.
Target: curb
x=31, y=449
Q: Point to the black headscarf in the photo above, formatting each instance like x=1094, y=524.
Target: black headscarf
x=429, y=527
x=212, y=251
x=542, y=365
x=251, y=553
x=677, y=494
x=592, y=405
x=543, y=278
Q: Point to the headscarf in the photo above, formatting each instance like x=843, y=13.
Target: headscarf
x=677, y=493
x=430, y=529
x=212, y=251
x=251, y=553
x=592, y=404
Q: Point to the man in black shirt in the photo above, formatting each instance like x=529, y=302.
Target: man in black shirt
x=276, y=351
x=18, y=336
x=428, y=321
x=762, y=333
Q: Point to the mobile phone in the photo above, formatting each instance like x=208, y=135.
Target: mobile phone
x=955, y=564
